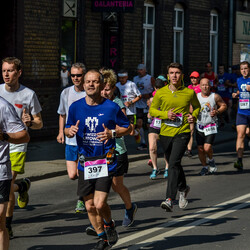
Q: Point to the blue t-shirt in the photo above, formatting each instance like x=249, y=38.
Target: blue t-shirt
x=244, y=98
x=91, y=120
x=222, y=89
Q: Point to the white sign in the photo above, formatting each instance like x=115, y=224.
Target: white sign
x=70, y=8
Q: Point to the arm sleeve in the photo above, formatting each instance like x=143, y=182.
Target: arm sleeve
x=121, y=119
x=154, y=108
x=136, y=90
x=62, y=108
x=35, y=106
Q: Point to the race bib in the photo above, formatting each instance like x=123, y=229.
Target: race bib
x=210, y=129
x=95, y=169
x=211, y=83
x=177, y=122
x=222, y=87
x=244, y=103
x=157, y=123
x=125, y=98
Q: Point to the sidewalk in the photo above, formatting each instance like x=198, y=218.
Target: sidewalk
x=46, y=159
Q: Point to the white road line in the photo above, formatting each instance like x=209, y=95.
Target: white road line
x=189, y=226
x=184, y=218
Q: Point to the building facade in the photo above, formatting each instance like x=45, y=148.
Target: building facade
x=119, y=34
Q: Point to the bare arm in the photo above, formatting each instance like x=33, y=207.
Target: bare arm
x=36, y=123
x=62, y=120
x=222, y=106
x=16, y=138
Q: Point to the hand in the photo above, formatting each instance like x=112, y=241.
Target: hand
x=26, y=118
x=190, y=118
x=60, y=138
x=234, y=95
x=248, y=87
x=213, y=113
x=171, y=114
x=127, y=104
x=105, y=135
x=74, y=129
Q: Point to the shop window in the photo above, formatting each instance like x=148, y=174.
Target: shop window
x=148, y=36
x=214, y=39
x=178, y=33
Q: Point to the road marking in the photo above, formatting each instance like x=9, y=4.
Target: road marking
x=143, y=233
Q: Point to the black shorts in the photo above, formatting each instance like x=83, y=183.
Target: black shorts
x=122, y=164
x=141, y=115
x=201, y=139
x=153, y=130
x=131, y=119
x=5, y=190
x=87, y=187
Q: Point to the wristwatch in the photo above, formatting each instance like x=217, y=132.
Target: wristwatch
x=5, y=137
x=113, y=133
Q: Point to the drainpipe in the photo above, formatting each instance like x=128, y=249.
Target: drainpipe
x=230, y=35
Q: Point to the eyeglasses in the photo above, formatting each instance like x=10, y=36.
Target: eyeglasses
x=77, y=75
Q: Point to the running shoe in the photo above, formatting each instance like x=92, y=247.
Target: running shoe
x=102, y=245
x=150, y=163
x=129, y=216
x=183, y=198
x=212, y=166
x=165, y=175
x=204, y=171
x=23, y=196
x=90, y=231
x=80, y=207
x=142, y=147
x=167, y=205
x=154, y=174
x=238, y=165
x=111, y=233
x=10, y=232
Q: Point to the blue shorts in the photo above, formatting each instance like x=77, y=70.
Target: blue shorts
x=71, y=153
x=242, y=119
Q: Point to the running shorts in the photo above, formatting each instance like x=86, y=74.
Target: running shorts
x=4, y=190
x=201, y=139
x=122, y=164
x=153, y=130
x=87, y=187
x=71, y=153
x=18, y=161
x=242, y=119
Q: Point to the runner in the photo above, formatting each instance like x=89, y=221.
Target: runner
x=207, y=125
x=28, y=109
x=174, y=101
x=68, y=96
x=153, y=136
x=145, y=84
x=12, y=130
x=130, y=95
x=212, y=76
x=195, y=78
x=243, y=114
x=96, y=122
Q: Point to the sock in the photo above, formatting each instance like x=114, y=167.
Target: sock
x=102, y=235
x=142, y=136
x=240, y=160
x=80, y=198
x=130, y=209
x=9, y=221
x=109, y=224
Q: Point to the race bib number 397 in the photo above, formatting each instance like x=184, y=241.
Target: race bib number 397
x=95, y=169
x=244, y=103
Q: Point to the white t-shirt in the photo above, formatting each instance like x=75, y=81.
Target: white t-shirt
x=68, y=96
x=128, y=92
x=9, y=123
x=23, y=98
x=145, y=87
x=64, y=78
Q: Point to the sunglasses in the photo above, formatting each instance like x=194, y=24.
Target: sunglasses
x=77, y=75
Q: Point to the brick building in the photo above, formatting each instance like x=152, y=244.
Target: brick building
x=118, y=34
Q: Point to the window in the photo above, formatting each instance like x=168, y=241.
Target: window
x=148, y=36
x=214, y=39
x=178, y=33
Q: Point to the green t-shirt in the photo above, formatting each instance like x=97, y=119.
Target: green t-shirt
x=180, y=100
x=120, y=143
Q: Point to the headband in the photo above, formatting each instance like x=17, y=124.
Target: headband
x=122, y=74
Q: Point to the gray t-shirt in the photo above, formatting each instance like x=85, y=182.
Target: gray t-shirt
x=23, y=98
x=9, y=123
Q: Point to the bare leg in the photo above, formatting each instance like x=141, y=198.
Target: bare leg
x=4, y=236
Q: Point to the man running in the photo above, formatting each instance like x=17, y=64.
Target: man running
x=174, y=102
x=68, y=96
x=243, y=114
x=212, y=76
x=12, y=130
x=96, y=122
x=28, y=109
x=211, y=105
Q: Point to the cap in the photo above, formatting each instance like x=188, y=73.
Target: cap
x=141, y=66
x=161, y=77
x=195, y=74
x=64, y=64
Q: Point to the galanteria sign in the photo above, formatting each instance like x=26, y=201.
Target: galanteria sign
x=112, y=6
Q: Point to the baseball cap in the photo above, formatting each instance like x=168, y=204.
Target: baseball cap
x=64, y=64
x=195, y=74
x=141, y=66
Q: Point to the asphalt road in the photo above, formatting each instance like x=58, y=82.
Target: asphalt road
x=217, y=215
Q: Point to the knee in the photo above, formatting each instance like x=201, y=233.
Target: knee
x=99, y=205
x=207, y=148
x=200, y=149
x=153, y=149
x=90, y=206
x=72, y=176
